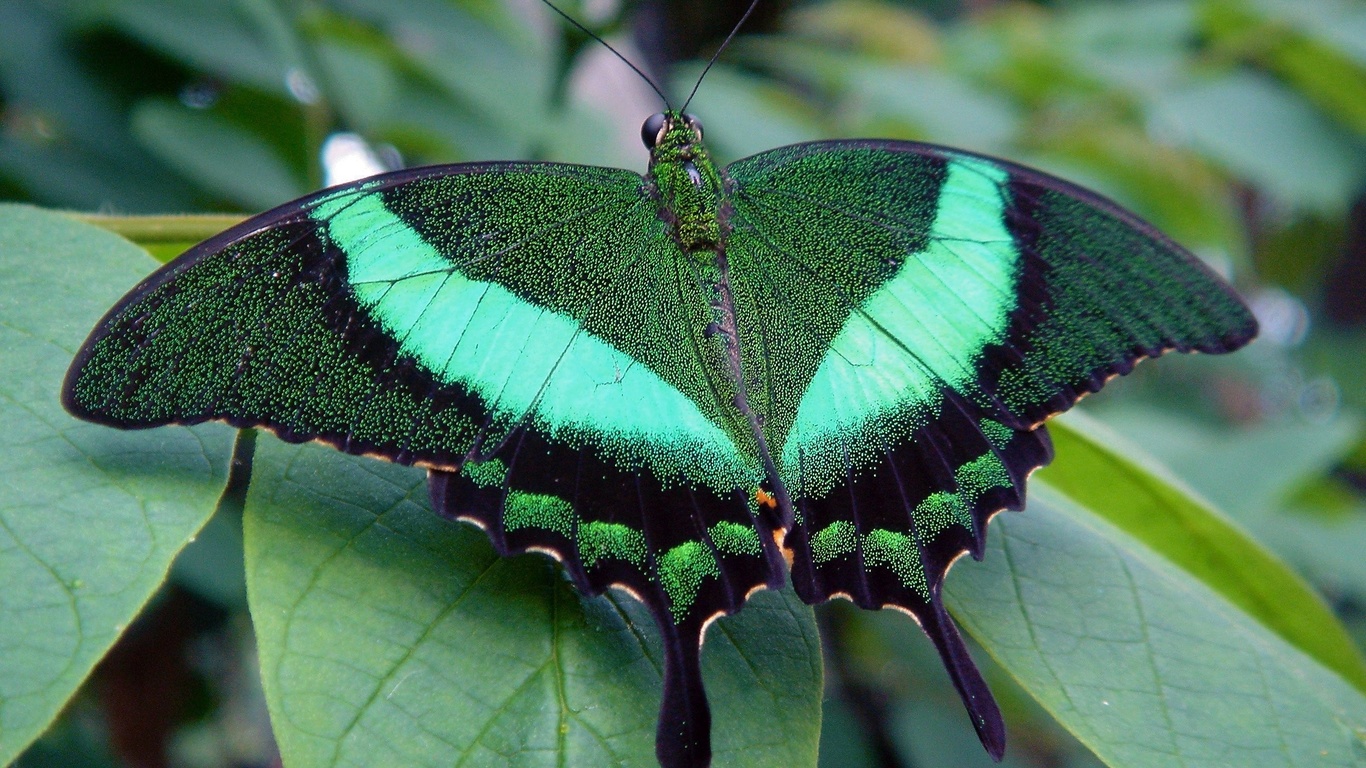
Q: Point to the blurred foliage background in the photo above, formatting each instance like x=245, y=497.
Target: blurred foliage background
x=1238, y=126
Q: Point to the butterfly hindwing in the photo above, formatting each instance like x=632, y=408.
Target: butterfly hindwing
x=887, y=536
x=687, y=551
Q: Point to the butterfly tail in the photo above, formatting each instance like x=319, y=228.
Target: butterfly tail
x=981, y=706
x=725, y=567
x=683, y=739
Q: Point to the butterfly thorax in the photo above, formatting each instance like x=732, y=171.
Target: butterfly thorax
x=686, y=183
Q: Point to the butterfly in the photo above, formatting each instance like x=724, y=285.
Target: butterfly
x=828, y=362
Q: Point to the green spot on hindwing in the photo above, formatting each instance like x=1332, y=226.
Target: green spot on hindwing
x=881, y=548
x=938, y=512
x=681, y=571
x=898, y=552
x=492, y=473
x=935, y=514
x=598, y=540
x=538, y=510
x=981, y=475
x=735, y=539
x=943, y=509
x=996, y=433
x=836, y=540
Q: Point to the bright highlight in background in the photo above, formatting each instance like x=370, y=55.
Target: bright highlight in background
x=348, y=157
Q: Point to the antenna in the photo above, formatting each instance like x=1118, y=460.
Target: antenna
x=724, y=43
x=617, y=53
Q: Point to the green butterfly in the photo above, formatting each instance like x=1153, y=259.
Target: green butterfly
x=830, y=359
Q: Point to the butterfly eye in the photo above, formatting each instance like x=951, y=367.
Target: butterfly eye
x=694, y=124
x=653, y=130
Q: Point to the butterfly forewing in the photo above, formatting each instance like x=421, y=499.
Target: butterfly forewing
x=1099, y=290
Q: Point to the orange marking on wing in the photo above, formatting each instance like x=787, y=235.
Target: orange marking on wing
x=780, y=538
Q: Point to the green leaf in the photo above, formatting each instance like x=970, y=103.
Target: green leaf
x=66, y=139
x=1340, y=353
x=506, y=79
x=1328, y=549
x=220, y=156
x=1143, y=662
x=233, y=41
x=1133, y=47
x=1115, y=482
x=1281, y=39
x=944, y=106
x=165, y=237
x=360, y=80
x=1340, y=24
x=1268, y=135
x=389, y=636
x=873, y=30
x=1252, y=471
x=90, y=517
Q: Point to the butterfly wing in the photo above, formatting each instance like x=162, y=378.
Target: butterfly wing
x=915, y=313
x=528, y=332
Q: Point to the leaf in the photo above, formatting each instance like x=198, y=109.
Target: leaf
x=1327, y=549
x=1269, y=136
x=1115, y=482
x=942, y=106
x=506, y=79
x=165, y=237
x=1145, y=664
x=1251, y=471
x=389, y=636
x=1013, y=49
x=90, y=518
x=218, y=155
x=1131, y=47
x=361, y=81
x=1279, y=39
x=876, y=30
x=66, y=140
x=1338, y=23
x=833, y=92
x=232, y=41
x=842, y=738
x=1340, y=353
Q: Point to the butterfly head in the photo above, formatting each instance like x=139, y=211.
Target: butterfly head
x=671, y=132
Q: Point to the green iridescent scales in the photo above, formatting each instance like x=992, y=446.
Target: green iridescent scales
x=838, y=354
x=937, y=269
x=935, y=514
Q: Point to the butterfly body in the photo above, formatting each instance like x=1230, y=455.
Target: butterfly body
x=828, y=362
x=686, y=184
